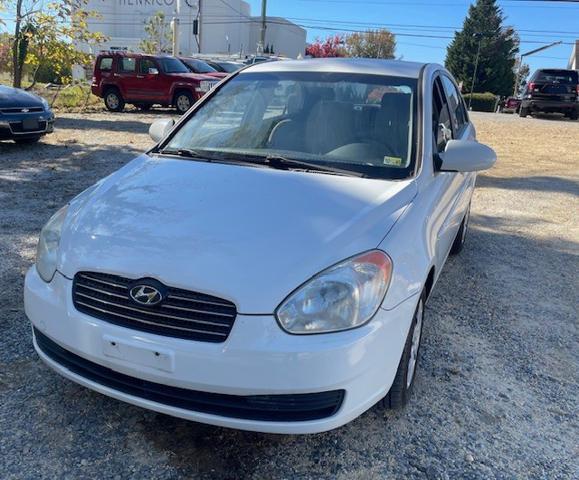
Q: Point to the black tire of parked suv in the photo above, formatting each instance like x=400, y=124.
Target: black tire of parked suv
x=402, y=386
x=27, y=140
x=523, y=112
x=183, y=101
x=573, y=115
x=113, y=100
x=460, y=239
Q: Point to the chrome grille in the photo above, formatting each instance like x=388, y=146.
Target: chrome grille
x=182, y=314
x=21, y=110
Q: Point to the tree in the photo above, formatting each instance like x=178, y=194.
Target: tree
x=330, y=47
x=483, y=29
x=159, y=36
x=371, y=44
x=48, y=33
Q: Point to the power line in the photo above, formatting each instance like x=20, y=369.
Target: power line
x=436, y=4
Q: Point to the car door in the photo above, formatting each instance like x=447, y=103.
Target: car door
x=151, y=85
x=453, y=189
x=126, y=77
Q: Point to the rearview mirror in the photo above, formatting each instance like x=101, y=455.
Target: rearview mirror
x=466, y=156
x=160, y=128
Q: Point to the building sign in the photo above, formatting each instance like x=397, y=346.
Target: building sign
x=156, y=3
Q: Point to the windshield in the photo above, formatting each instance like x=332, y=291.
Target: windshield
x=172, y=65
x=359, y=123
x=199, y=66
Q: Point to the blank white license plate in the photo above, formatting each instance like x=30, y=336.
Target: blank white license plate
x=139, y=354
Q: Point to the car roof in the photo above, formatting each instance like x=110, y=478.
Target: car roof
x=369, y=66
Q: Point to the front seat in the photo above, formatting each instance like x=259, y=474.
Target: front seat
x=329, y=125
x=392, y=123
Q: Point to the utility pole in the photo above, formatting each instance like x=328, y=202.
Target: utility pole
x=175, y=27
x=261, y=44
x=479, y=35
x=200, y=25
x=526, y=54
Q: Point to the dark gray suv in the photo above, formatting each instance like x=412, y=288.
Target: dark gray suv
x=552, y=91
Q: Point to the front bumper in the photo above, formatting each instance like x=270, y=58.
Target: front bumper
x=258, y=358
x=13, y=126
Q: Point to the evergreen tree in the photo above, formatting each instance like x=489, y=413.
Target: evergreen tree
x=499, y=47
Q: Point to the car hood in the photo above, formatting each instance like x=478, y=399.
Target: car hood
x=248, y=235
x=15, y=97
x=219, y=75
x=188, y=77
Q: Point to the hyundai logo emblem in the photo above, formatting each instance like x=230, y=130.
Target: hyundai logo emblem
x=145, y=295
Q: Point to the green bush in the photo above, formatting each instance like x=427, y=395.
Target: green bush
x=481, y=102
x=69, y=98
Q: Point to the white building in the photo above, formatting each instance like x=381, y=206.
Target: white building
x=225, y=26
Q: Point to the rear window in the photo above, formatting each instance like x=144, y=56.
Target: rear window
x=106, y=64
x=568, y=77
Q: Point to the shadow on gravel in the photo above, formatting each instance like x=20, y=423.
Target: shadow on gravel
x=542, y=184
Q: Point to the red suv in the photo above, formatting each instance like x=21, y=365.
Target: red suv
x=146, y=80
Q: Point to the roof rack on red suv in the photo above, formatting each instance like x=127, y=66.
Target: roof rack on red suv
x=122, y=77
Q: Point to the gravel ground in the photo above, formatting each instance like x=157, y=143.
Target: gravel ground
x=497, y=392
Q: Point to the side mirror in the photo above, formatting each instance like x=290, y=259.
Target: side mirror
x=153, y=71
x=160, y=128
x=466, y=156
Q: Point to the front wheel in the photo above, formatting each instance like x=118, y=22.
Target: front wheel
x=183, y=101
x=403, y=384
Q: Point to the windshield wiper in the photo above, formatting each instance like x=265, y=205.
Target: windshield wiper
x=186, y=152
x=272, y=161
x=208, y=156
x=279, y=161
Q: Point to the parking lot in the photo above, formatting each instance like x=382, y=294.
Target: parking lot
x=497, y=392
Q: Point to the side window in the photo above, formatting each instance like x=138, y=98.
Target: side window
x=106, y=64
x=455, y=104
x=146, y=64
x=441, y=122
x=128, y=65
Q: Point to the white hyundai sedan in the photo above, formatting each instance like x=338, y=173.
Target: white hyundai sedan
x=265, y=266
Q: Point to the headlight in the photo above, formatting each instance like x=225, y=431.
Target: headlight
x=47, y=250
x=342, y=297
x=45, y=104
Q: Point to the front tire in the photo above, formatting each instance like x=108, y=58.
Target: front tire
x=114, y=101
x=403, y=384
x=183, y=101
